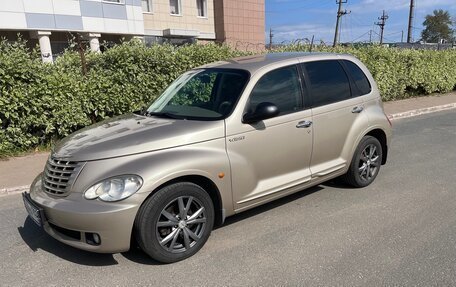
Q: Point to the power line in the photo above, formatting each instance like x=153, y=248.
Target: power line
x=368, y=32
x=410, y=23
x=270, y=38
x=382, y=24
x=340, y=13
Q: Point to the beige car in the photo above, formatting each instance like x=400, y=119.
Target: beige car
x=221, y=139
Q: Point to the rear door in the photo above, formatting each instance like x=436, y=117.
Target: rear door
x=336, y=115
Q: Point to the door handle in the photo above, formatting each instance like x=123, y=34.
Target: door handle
x=304, y=124
x=357, y=110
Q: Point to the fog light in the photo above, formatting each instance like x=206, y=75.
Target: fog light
x=96, y=238
x=93, y=239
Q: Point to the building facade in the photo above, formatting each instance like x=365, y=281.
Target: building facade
x=240, y=23
x=178, y=21
x=51, y=23
x=41, y=21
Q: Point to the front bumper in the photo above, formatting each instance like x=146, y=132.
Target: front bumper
x=73, y=219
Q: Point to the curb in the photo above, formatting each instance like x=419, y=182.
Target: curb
x=13, y=190
x=407, y=114
x=421, y=111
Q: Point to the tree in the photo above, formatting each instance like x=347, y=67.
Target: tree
x=437, y=27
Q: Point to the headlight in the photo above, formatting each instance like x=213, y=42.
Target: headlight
x=115, y=188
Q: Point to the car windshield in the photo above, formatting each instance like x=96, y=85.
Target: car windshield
x=202, y=94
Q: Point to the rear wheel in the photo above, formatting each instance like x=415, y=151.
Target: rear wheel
x=365, y=164
x=175, y=222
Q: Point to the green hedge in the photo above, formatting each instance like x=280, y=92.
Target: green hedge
x=401, y=73
x=40, y=103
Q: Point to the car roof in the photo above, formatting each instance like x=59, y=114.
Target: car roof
x=256, y=62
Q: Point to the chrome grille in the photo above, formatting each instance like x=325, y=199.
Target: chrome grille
x=59, y=176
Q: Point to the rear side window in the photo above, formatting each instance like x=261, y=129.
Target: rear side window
x=328, y=82
x=360, y=79
x=280, y=87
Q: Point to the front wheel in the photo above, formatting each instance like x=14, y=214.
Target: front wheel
x=175, y=222
x=365, y=164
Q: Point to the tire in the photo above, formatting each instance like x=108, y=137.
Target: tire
x=365, y=163
x=160, y=230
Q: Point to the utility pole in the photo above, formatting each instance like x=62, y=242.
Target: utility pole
x=382, y=25
x=340, y=13
x=410, y=23
x=270, y=38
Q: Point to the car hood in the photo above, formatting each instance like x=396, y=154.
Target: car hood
x=132, y=134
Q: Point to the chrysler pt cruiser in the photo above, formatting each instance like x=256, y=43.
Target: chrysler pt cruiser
x=221, y=139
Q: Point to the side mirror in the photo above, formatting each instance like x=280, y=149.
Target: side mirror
x=262, y=112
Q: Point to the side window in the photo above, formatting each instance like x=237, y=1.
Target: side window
x=328, y=82
x=360, y=79
x=280, y=87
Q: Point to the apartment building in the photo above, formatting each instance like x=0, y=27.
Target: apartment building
x=51, y=23
x=240, y=23
x=178, y=21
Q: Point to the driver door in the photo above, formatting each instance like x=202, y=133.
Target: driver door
x=272, y=157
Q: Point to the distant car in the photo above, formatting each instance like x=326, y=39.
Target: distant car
x=221, y=139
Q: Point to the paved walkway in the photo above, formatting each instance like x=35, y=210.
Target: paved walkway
x=16, y=174
x=415, y=106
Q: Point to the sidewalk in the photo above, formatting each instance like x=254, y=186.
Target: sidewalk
x=16, y=174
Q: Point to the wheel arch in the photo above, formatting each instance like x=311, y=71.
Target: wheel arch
x=204, y=182
x=380, y=135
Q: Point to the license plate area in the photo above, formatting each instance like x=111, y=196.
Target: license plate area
x=35, y=212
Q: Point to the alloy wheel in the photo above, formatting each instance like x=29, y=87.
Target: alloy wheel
x=181, y=224
x=368, y=162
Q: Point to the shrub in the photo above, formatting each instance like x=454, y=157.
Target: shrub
x=40, y=103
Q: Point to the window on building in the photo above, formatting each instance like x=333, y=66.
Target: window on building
x=175, y=7
x=328, y=82
x=146, y=5
x=280, y=87
x=201, y=5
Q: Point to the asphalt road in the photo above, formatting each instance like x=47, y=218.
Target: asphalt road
x=401, y=230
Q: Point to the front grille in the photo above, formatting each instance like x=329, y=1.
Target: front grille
x=59, y=176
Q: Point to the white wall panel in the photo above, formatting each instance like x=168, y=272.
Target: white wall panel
x=11, y=20
x=137, y=13
x=11, y=6
x=93, y=24
x=38, y=6
x=116, y=26
x=67, y=7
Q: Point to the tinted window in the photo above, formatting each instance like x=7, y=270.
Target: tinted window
x=280, y=87
x=361, y=81
x=328, y=82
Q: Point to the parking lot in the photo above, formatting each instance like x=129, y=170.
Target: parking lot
x=401, y=230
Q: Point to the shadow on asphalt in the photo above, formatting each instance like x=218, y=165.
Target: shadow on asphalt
x=138, y=256
x=269, y=206
x=36, y=238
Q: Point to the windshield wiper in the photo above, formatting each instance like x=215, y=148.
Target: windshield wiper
x=163, y=115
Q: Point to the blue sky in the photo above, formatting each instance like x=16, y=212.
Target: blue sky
x=298, y=19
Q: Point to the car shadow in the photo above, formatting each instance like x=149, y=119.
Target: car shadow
x=337, y=183
x=269, y=206
x=37, y=239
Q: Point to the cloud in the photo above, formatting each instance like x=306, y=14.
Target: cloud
x=378, y=5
